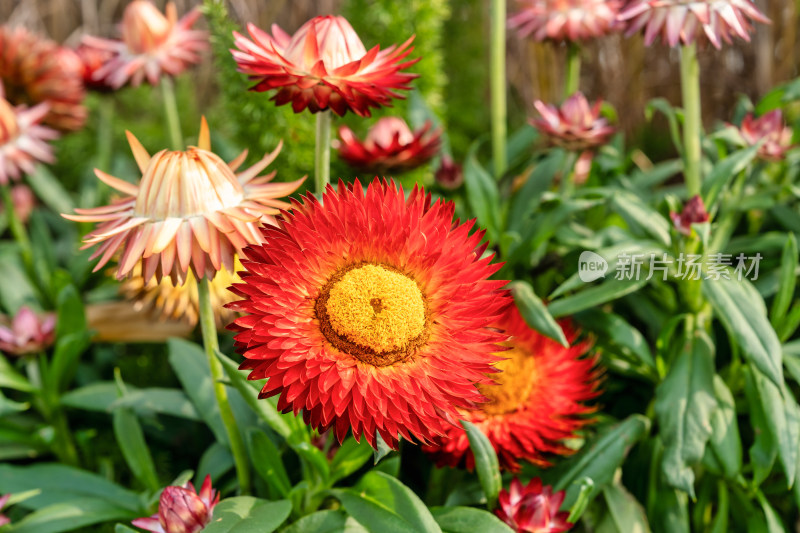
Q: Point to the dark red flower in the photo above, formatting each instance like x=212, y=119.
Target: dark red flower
x=450, y=174
x=532, y=508
x=390, y=147
x=694, y=212
x=182, y=509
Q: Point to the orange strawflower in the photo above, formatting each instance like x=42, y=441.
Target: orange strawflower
x=189, y=211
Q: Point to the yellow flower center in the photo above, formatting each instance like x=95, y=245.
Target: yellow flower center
x=373, y=312
x=514, y=383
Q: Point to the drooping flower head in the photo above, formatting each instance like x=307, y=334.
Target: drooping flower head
x=27, y=332
x=575, y=125
x=3, y=518
x=34, y=70
x=153, y=44
x=532, y=508
x=450, y=175
x=772, y=130
x=683, y=21
x=167, y=300
x=324, y=65
x=694, y=212
x=189, y=211
x=370, y=311
x=390, y=146
x=565, y=20
x=182, y=509
x=94, y=59
x=23, y=140
x=539, y=402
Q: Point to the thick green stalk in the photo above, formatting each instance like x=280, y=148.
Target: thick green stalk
x=322, y=152
x=692, y=120
x=573, y=80
x=211, y=343
x=498, y=87
x=171, y=109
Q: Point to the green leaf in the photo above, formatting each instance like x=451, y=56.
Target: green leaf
x=535, y=312
x=724, y=171
x=486, y=464
x=527, y=200
x=782, y=417
x=215, y=462
x=625, y=513
x=11, y=379
x=600, y=458
x=744, y=316
x=397, y=498
x=662, y=105
x=267, y=461
x=8, y=407
x=157, y=400
x=468, y=520
x=122, y=528
x=64, y=482
x=764, y=449
x=638, y=214
x=620, y=333
x=313, y=458
x=774, y=524
x=50, y=191
x=231, y=511
x=134, y=448
x=595, y=296
x=264, y=518
x=282, y=424
x=66, y=355
x=71, y=316
x=325, y=522
x=482, y=194
x=69, y=516
x=189, y=362
x=684, y=404
x=349, y=458
x=786, y=286
x=381, y=450
x=374, y=516
x=725, y=441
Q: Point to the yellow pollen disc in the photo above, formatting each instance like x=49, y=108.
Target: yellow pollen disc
x=376, y=308
x=514, y=383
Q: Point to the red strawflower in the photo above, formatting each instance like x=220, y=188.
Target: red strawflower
x=680, y=21
x=538, y=403
x=694, y=212
x=390, y=147
x=34, y=70
x=371, y=311
x=182, y=509
x=772, y=130
x=532, y=508
x=565, y=20
x=94, y=59
x=324, y=65
x=27, y=333
x=152, y=45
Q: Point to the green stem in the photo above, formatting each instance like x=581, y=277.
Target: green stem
x=49, y=406
x=211, y=343
x=573, y=80
x=322, y=152
x=171, y=109
x=18, y=230
x=692, y=120
x=498, y=87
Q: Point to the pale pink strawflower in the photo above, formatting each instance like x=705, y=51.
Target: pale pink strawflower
x=23, y=140
x=27, y=332
x=324, y=65
x=694, y=212
x=189, y=211
x=771, y=131
x=153, y=44
x=575, y=125
x=532, y=508
x=683, y=21
x=182, y=509
x=390, y=146
x=565, y=20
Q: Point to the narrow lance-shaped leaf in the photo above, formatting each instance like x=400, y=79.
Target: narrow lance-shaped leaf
x=535, y=312
x=486, y=463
